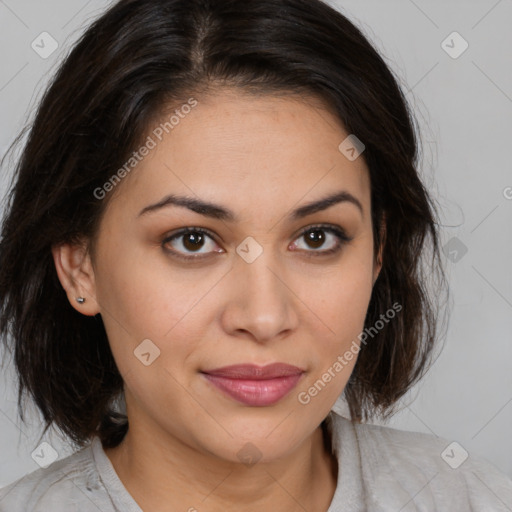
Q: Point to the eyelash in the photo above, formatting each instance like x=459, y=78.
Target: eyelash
x=336, y=231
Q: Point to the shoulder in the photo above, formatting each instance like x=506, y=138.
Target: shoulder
x=417, y=471
x=70, y=484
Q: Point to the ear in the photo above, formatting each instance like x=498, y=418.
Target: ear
x=377, y=265
x=76, y=274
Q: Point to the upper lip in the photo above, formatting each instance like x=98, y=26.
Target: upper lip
x=254, y=372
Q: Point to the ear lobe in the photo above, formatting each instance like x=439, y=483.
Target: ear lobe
x=378, y=264
x=76, y=275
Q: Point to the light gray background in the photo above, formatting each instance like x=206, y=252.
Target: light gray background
x=464, y=106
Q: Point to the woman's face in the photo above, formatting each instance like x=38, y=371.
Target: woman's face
x=252, y=289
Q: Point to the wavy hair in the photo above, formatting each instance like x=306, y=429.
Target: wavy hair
x=133, y=62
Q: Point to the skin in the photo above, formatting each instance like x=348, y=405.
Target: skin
x=261, y=157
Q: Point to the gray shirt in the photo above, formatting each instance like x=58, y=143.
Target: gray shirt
x=380, y=469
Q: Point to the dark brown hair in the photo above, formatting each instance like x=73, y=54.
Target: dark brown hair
x=137, y=59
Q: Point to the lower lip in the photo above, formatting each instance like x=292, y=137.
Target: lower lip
x=255, y=392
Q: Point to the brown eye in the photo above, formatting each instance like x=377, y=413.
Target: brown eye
x=316, y=237
x=193, y=241
x=190, y=241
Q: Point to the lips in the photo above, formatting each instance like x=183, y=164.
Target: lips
x=254, y=372
x=255, y=385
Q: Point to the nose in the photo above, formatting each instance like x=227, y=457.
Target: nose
x=261, y=302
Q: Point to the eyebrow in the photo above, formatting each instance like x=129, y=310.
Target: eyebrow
x=216, y=211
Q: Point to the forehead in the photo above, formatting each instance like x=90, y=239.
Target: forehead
x=247, y=151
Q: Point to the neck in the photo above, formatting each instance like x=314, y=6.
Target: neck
x=174, y=476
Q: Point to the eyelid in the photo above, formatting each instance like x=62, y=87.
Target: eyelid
x=338, y=231
x=184, y=231
x=333, y=228
x=189, y=229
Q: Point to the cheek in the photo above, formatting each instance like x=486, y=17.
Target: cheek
x=144, y=297
x=334, y=354
x=340, y=302
x=341, y=296
x=139, y=291
x=151, y=301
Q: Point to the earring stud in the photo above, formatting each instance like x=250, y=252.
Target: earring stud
x=80, y=300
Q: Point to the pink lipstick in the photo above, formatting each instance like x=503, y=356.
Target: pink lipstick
x=255, y=385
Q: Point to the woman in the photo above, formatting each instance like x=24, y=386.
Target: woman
x=223, y=231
